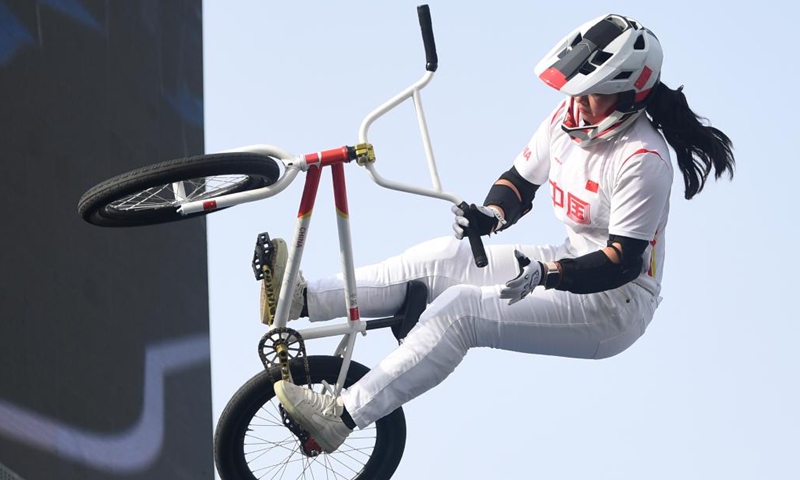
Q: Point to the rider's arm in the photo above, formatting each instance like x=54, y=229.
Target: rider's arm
x=512, y=196
x=611, y=267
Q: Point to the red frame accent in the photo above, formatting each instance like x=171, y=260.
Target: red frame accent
x=309, y=191
x=339, y=189
x=335, y=159
x=328, y=157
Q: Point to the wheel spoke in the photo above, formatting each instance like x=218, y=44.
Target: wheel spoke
x=176, y=193
x=271, y=454
x=269, y=450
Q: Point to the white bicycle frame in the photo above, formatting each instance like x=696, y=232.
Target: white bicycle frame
x=312, y=165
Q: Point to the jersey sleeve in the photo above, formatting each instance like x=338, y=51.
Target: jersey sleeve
x=533, y=163
x=640, y=195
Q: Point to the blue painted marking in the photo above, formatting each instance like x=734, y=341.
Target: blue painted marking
x=74, y=10
x=13, y=34
x=188, y=106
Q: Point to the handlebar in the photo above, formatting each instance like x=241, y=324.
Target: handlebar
x=425, y=24
x=475, y=242
x=294, y=164
x=431, y=64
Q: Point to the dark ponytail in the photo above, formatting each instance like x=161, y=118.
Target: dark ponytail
x=699, y=146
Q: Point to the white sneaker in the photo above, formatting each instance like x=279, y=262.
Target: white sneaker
x=277, y=265
x=320, y=415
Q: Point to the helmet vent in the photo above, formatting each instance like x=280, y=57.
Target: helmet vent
x=600, y=57
x=639, y=44
x=576, y=40
x=586, y=68
x=623, y=75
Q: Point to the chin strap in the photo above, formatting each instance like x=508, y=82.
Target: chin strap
x=588, y=135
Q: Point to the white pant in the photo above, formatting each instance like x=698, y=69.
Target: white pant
x=466, y=311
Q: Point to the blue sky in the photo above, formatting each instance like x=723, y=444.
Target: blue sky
x=709, y=392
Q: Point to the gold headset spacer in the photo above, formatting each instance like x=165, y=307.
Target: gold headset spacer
x=365, y=153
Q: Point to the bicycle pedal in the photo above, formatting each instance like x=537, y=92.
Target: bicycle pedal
x=261, y=255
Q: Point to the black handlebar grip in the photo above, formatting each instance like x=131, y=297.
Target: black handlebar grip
x=475, y=242
x=432, y=60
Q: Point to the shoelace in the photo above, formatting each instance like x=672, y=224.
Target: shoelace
x=325, y=404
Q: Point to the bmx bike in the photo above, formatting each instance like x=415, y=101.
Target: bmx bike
x=255, y=437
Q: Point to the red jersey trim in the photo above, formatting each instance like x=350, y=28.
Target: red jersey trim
x=558, y=112
x=641, y=151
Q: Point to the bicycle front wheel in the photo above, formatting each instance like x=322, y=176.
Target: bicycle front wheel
x=152, y=194
x=251, y=441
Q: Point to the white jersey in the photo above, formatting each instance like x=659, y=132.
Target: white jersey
x=619, y=187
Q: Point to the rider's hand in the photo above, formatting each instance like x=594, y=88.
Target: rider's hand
x=531, y=274
x=486, y=220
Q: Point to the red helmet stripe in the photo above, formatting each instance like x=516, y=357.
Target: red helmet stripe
x=554, y=78
x=643, y=78
x=642, y=95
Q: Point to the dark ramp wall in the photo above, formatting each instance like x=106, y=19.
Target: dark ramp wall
x=104, y=352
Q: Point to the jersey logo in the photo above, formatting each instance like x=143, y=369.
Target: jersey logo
x=577, y=210
x=592, y=186
x=556, y=194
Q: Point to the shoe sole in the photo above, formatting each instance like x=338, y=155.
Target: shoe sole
x=292, y=411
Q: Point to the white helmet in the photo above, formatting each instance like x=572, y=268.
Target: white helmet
x=610, y=54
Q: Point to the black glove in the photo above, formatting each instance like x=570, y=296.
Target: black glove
x=485, y=219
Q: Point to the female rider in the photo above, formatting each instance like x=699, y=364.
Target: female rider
x=604, y=153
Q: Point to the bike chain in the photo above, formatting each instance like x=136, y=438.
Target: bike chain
x=276, y=349
x=269, y=293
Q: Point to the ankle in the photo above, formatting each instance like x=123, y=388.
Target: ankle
x=348, y=420
x=304, y=311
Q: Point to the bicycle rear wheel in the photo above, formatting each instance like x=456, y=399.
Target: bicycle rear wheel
x=251, y=441
x=152, y=194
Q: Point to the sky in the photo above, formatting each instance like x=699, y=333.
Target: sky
x=711, y=389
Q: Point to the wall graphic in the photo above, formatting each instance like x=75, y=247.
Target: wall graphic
x=104, y=353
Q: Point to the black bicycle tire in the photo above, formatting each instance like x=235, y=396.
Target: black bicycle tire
x=93, y=206
x=246, y=402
